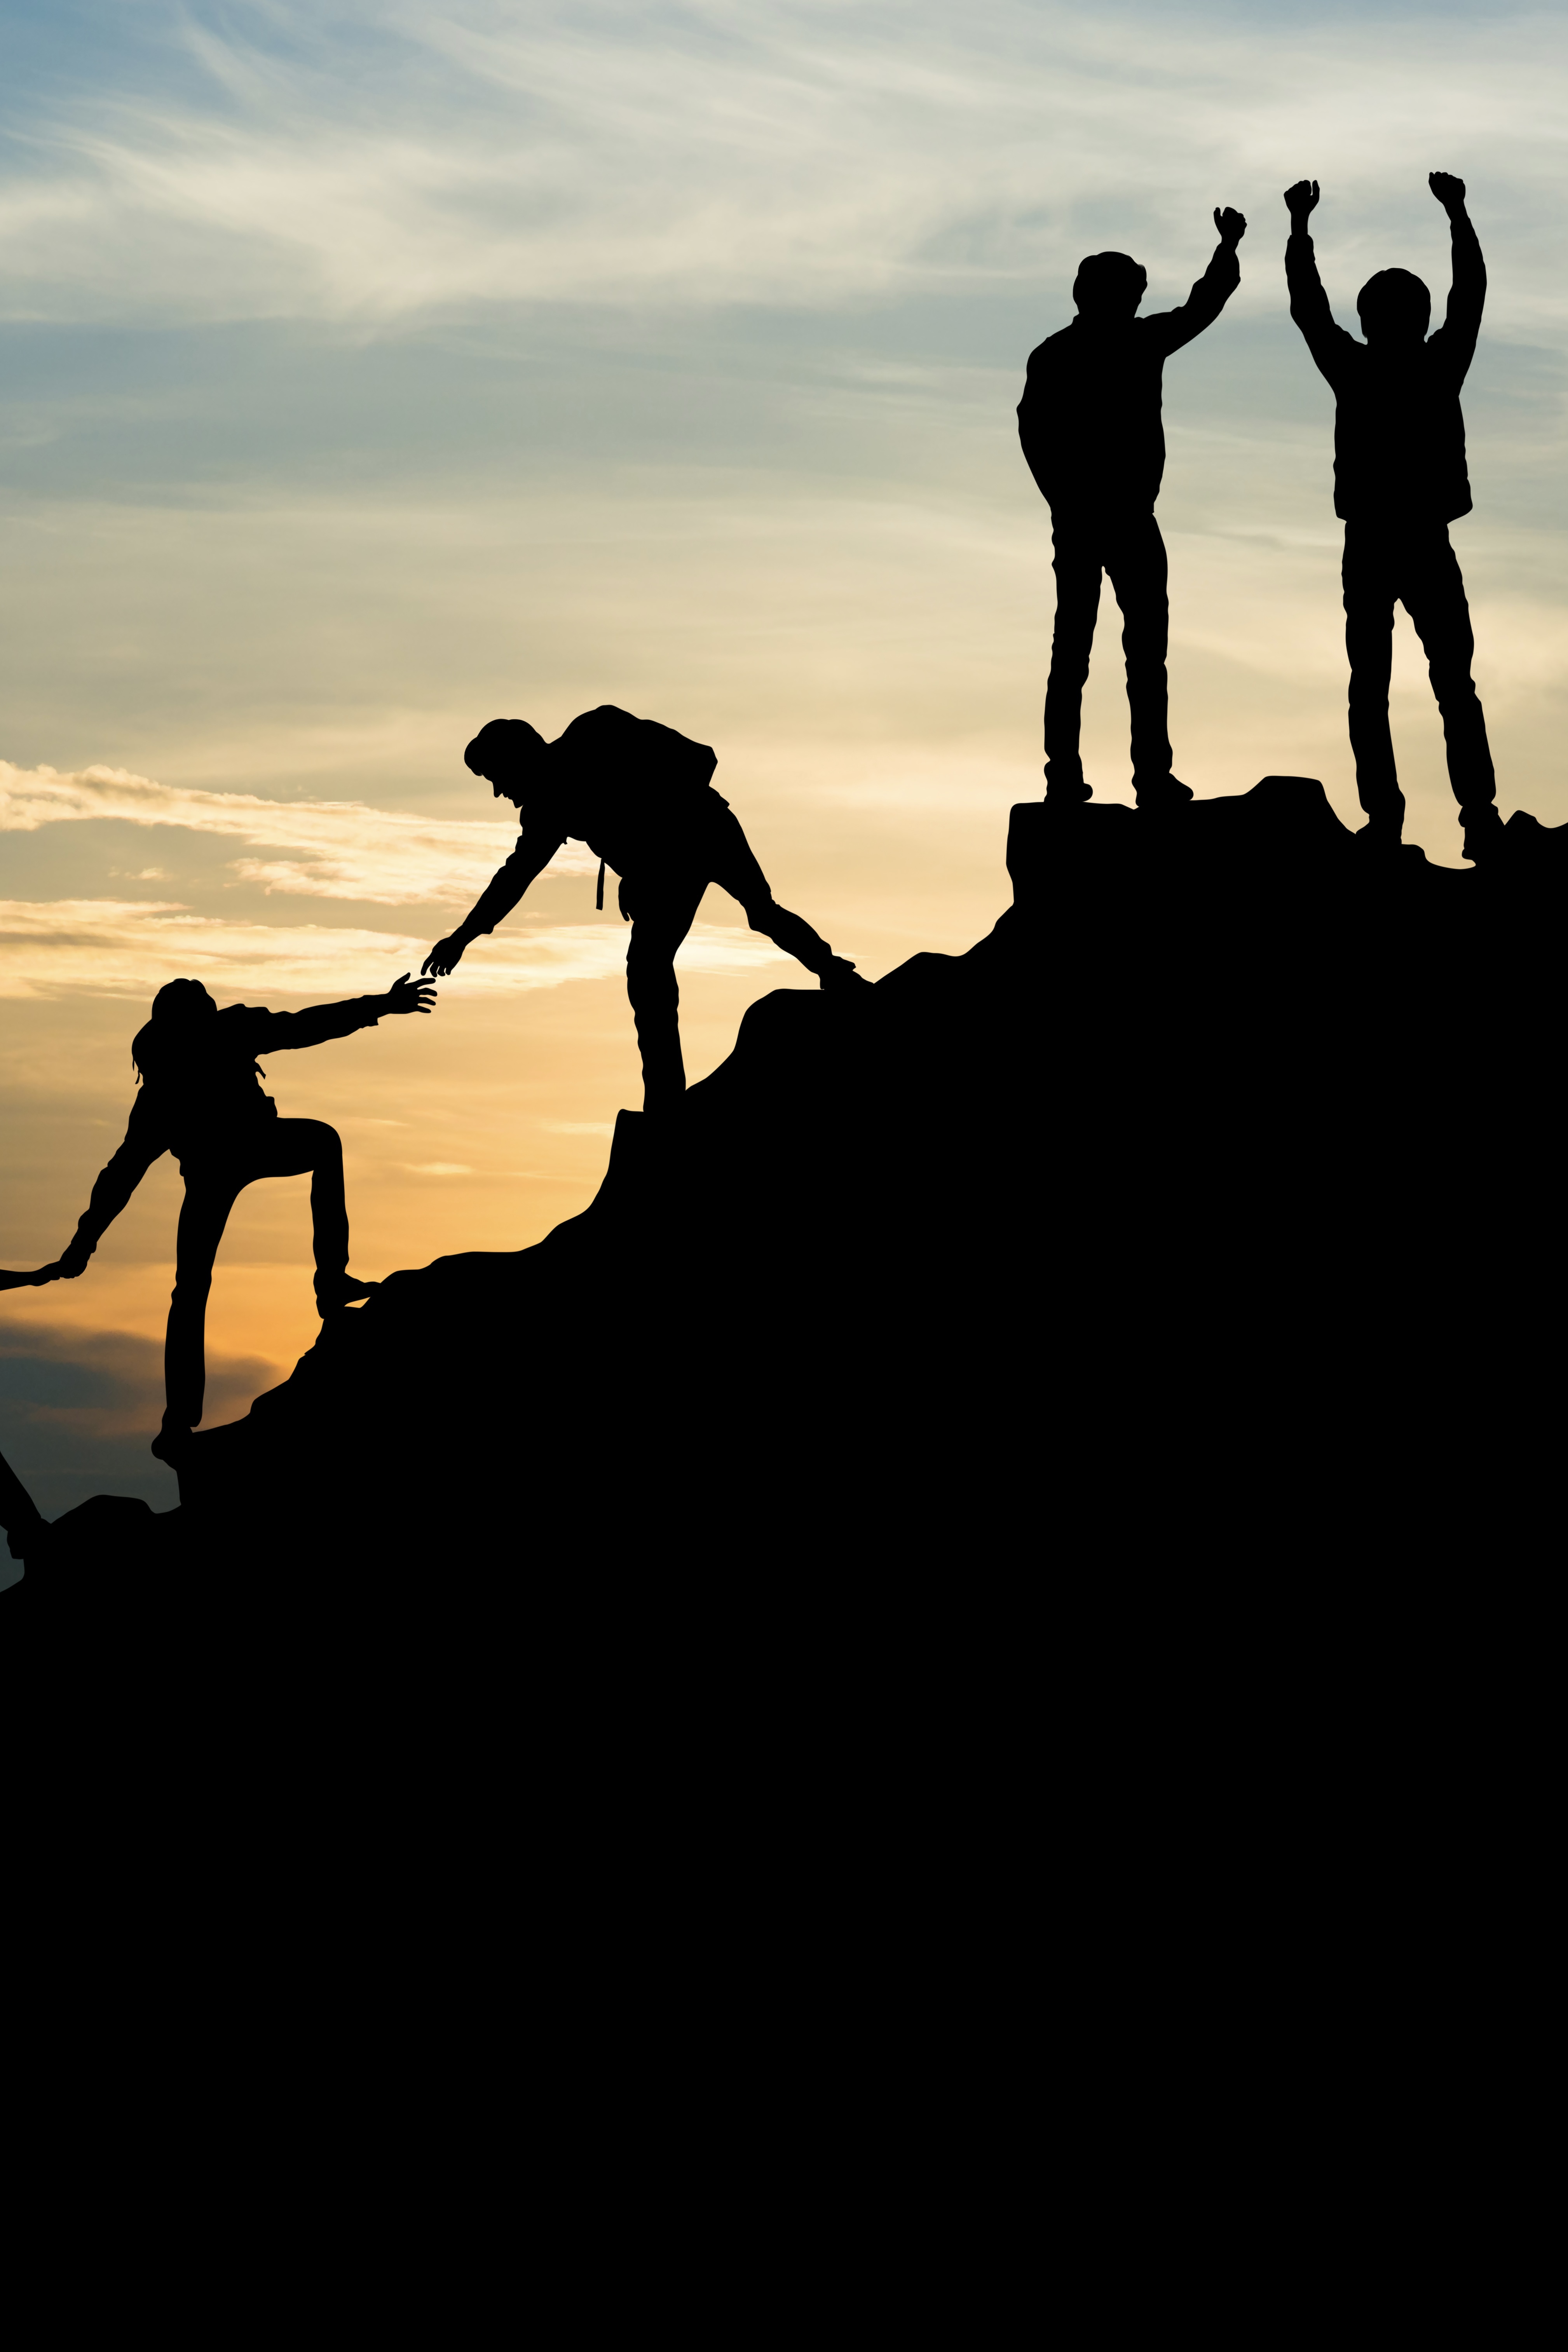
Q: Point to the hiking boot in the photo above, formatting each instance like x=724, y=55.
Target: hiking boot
x=338, y=1290
x=1067, y=790
x=1380, y=839
x=841, y=974
x=1484, y=837
x=1160, y=792
x=171, y=1441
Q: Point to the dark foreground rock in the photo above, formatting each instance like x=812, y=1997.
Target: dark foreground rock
x=1206, y=1213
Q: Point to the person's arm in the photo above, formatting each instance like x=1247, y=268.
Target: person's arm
x=1213, y=290
x=1309, y=303
x=286, y=1033
x=526, y=863
x=1467, y=293
x=145, y=1141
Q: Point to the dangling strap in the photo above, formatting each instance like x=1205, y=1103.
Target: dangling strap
x=599, y=901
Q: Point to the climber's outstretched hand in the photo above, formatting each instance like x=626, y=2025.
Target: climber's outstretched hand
x=407, y=995
x=444, y=957
x=33, y=1281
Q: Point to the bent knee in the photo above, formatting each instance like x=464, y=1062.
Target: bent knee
x=314, y=1134
x=761, y=913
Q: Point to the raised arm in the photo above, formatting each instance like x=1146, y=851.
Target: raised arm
x=1309, y=303
x=1212, y=291
x=145, y=1140
x=1467, y=293
x=526, y=863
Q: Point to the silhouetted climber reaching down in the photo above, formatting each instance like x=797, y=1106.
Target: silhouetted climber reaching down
x=200, y=1099
x=1090, y=423
x=640, y=795
x=1400, y=480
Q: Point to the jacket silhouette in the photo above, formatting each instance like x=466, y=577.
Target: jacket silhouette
x=1400, y=479
x=641, y=797
x=1092, y=434
x=201, y=1098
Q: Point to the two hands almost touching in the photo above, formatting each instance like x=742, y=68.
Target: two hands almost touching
x=1301, y=199
x=407, y=995
x=1231, y=225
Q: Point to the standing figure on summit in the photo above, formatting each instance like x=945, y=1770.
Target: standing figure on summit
x=640, y=795
x=1090, y=423
x=1400, y=480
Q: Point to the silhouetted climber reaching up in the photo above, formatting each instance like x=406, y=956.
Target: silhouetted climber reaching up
x=640, y=795
x=1090, y=423
x=200, y=1099
x=1400, y=480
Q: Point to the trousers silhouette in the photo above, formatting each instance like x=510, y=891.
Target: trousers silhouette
x=1131, y=550
x=1413, y=564
x=662, y=901
x=284, y=1147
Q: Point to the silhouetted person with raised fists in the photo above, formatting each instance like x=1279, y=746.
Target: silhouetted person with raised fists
x=201, y=1100
x=1400, y=480
x=1090, y=426
x=640, y=795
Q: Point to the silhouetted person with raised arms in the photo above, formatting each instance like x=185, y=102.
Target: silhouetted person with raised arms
x=1400, y=480
x=640, y=795
x=1090, y=426
x=201, y=1100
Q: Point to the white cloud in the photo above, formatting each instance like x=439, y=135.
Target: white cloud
x=105, y=947
x=343, y=849
x=390, y=160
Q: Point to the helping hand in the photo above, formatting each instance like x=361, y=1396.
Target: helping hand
x=73, y=1258
x=1450, y=192
x=444, y=957
x=410, y=996
x=1231, y=225
x=1300, y=199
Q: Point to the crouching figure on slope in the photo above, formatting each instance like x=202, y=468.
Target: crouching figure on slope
x=640, y=795
x=201, y=1098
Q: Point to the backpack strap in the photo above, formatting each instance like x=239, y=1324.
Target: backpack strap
x=599, y=901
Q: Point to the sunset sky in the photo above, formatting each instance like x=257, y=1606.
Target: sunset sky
x=368, y=372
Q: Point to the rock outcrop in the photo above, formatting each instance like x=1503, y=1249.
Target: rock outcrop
x=1203, y=1214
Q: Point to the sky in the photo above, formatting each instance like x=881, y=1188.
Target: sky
x=368, y=372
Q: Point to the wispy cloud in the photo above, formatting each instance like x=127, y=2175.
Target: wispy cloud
x=105, y=947
x=340, y=849
x=378, y=161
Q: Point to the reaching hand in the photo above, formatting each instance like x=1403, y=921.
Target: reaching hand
x=410, y=996
x=1450, y=192
x=1300, y=199
x=444, y=957
x=1231, y=226
x=31, y=1281
x=73, y=1258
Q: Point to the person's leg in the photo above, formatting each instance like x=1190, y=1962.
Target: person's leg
x=299, y=1147
x=663, y=910
x=1075, y=560
x=1136, y=558
x=1432, y=588
x=1368, y=577
x=209, y=1196
x=733, y=865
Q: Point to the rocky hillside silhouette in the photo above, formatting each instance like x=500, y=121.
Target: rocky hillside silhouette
x=1203, y=1214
